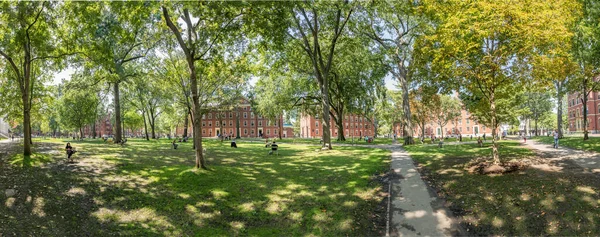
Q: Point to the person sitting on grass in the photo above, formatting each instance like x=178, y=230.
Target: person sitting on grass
x=266, y=142
x=274, y=148
x=174, y=144
x=70, y=151
x=479, y=142
x=233, y=144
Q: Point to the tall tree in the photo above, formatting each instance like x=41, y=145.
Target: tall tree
x=30, y=40
x=204, y=29
x=586, y=52
x=487, y=44
x=394, y=26
x=316, y=29
x=117, y=34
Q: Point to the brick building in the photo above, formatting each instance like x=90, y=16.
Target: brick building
x=251, y=124
x=575, y=112
x=354, y=125
x=464, y=125
x=104, y=127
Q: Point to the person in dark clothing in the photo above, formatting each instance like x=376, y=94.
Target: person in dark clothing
x=274, y=148
x=233, y=144
x=174, y=143
x=70, y=151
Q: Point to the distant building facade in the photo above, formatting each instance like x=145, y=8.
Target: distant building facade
x=575, y=112
x=354, y=126
x=251, y=124
x=464, y=125
x=104, y=127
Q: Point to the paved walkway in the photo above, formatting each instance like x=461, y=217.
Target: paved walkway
x=588, y=160
x=414, y=210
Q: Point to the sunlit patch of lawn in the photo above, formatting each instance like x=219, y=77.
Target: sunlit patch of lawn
x=349, y=140
x=147, y=188
x=593, y=144
x=530, y=202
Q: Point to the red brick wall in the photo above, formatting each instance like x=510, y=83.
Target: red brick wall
x=575, y=112
x=354, y=126
x=250, y=124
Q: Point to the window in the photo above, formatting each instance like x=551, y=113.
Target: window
x=268, y=131
x=245, y=115
x=367, y=126
x=245, y=108
x=230, y=114
x=203, y=124
x=245, y=131
x=224, y=124
x=260, y=123
x=252, y=123
x=204, y=116
x=346, y=124
x=467, y=121
x=275, y=122
x=230, y=123
x=317, y=124
x=251, y=114
x=245, y=123
x=260, y=116
x=252, y=131
x=467, y=129
x=209, y=115
x=203, y=132
x=210, y=123
x=317, y=131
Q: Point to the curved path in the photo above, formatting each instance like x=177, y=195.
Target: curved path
x=588, y=160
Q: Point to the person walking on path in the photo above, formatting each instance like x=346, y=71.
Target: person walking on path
x=555, y=134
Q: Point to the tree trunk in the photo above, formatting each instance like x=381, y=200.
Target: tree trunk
x=584, y=99
x=26, y=123
x=559, y=88
x=340, y=126
x=80, y=133
x=495, y=155
x=325, y=104
x=185, y=125
x=94, y=130
x=197, y=117
x=117, y=138
x=408, y=131
x=535, y=121
x=237, y=124
x=281, y=127
x=145, y=126
x=152, y=125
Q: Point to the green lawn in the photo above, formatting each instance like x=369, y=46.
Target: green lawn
x=530, y=202
x=316, y=141
x=148, y=189
x=593, y=144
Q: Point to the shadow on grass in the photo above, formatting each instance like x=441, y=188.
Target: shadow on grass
x=146, y=188
x=529, y=202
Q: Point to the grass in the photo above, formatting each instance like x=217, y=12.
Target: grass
x=316, y=141
x=147, y=189
x=593, y=144
x=530, y=202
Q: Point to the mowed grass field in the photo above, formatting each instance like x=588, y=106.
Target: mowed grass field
x=148, y=189
x=560, y=201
